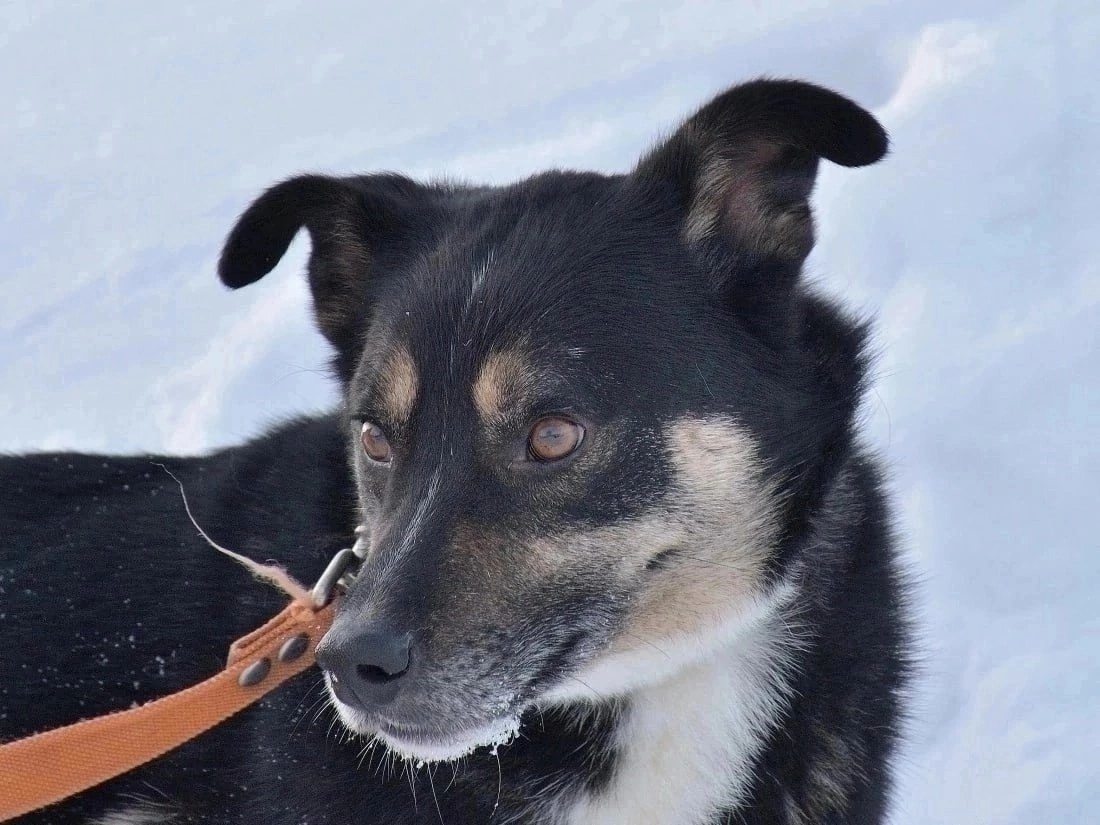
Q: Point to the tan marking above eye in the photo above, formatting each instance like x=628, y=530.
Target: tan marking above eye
x=504, y=378
x=398, y=385
x=554, y=438
x=375, y=444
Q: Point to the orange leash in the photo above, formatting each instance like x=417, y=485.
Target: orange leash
x=51, y=766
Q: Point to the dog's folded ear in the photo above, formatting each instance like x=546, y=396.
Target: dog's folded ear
x=744, y=165
x=350, y=220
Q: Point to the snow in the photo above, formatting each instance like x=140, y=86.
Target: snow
x=135, y=133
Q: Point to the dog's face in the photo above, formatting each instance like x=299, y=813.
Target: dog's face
x=578, y=410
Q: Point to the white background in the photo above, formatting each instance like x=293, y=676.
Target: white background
x=132, y=134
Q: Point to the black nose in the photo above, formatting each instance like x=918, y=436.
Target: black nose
x=365, y=667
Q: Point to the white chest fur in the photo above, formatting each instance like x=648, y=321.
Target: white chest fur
x=687, y=745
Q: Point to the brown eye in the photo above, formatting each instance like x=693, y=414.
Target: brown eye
x=554, y=438
x=375, y=443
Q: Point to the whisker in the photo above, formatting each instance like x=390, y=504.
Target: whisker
x=306, y=712
x=410, y=769
x=431, y=784
x=454, y=777
x=645, y=641
x=500, y=781
x=594, y=691
x=675, y=551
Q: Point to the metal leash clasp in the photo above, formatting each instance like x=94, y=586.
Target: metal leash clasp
x=339, y=571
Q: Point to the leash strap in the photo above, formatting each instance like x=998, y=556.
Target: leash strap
x=51, y=766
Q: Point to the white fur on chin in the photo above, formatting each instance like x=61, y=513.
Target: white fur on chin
x=496, y=733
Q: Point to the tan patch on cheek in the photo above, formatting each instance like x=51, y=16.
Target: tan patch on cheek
x=505, y=377
x=721, y=527
x=398, y=385
x=719, y=522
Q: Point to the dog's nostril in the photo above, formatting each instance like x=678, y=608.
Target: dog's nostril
x=366, y=667
x=381, y=658
x=372, y=674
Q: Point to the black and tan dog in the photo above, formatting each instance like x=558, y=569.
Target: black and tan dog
x=628, y=562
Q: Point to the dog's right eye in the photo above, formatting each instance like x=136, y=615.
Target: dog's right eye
x=554, y=438
x=375, y=444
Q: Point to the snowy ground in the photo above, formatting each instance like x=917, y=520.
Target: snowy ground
x=133, y=133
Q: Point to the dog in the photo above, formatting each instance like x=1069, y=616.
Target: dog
x=627, y=559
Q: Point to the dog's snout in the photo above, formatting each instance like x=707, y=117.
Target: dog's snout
x=366, y=667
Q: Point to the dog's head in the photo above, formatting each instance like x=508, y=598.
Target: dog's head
x=582, y=410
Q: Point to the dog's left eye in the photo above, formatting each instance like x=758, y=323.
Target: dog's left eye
x=554, y=438
x=375, y=444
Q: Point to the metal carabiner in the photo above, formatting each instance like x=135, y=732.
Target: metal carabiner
x=338, y=572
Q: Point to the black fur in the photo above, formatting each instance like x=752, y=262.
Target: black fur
x=676, y=291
